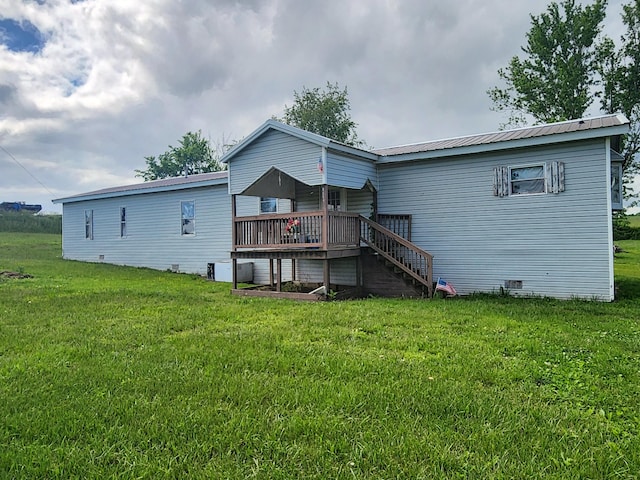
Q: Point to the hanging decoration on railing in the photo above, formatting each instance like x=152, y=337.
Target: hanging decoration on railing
x=293, y=226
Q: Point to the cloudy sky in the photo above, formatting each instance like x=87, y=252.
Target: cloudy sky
x=89, y=88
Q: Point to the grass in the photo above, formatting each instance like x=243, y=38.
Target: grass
x=27, y=222
x=121, y=373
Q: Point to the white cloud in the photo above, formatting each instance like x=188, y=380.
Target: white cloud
x=118, y=80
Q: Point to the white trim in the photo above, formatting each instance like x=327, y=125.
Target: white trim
x=504, y=144
x=325, y=167
x=182, y=234
x=91, y=224
x=529, y=165
x=260, y=212
x=123, y=207
x=140, y=189
x=299, y=133
x=607, y=146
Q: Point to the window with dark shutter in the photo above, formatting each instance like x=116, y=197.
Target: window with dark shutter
x=528, y=179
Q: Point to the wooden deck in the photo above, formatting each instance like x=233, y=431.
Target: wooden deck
x=325, y=236
x=297, y=230
x=297, y=253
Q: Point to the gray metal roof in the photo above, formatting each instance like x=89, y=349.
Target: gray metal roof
x=585, y=124
x=174, y=183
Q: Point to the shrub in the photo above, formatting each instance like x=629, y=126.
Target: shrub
x=25, y=222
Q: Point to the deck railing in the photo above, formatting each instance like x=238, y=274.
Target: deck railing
x=408, y=257
x=310, y=230
x=400, y=224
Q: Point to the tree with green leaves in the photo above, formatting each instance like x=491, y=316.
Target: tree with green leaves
x=194, y=154
x=568, y=65
x=554, y=81
x=325, y=112
x=620, y=70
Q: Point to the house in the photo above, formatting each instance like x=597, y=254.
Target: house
x=526, y=211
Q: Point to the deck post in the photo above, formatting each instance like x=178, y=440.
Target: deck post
x=327, y=275
x=234, y=261
x=293, y=269
x=271, y=272
x=234, y=273
x=279, y=275
x=233, y=223
x=325, y=217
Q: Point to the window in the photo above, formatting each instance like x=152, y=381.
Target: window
x=334, y=200
x=527, y=180
x=123, y=222
x=88, y=224
x=268, y=205
x=616, y=186
x=188, y=210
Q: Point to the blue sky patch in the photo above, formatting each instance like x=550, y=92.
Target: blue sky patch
x=21, y=36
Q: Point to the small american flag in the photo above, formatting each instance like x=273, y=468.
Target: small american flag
x=320, y=165
x=445, y=287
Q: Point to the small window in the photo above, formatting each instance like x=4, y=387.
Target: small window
x=268, y=205
x=88, y=224
x=616, y=186
x=188, y=217
x=527, y=180
x=123, y=222
x=334, y=200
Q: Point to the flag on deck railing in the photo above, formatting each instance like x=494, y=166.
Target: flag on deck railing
x=445, y=287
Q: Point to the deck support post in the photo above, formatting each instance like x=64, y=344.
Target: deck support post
x=234, y=273
x=279, y=275
x=271, y=272
x=234, y=261
x=325, y=217
x=293, y=269
x=326, y=274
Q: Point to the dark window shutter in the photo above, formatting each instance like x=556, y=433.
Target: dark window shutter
x=555, y=177
x=501, y=181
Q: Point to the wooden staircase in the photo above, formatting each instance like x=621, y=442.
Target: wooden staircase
x=407, y=259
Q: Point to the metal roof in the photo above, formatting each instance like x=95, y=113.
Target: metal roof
x=594, y=127
x=174, y=183
x=585, y=124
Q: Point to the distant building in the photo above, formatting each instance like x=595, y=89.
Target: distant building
x=19, y=207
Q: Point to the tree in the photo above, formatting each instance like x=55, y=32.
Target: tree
x=568, y=65
x=193, y=154
x=621, y=73
x=324, y=112
x=554, y=81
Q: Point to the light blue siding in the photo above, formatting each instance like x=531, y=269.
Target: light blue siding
x=342, y=271
x=349, y=172
x=556, y=244
x=298, y=158
x=154, y=237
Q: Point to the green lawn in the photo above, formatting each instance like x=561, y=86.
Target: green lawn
x=112, y=372
x=634, y=220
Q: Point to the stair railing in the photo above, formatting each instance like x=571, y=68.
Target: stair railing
x=408, y=257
